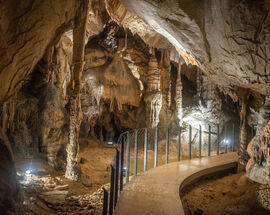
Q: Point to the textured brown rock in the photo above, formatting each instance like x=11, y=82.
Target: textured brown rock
x=231, y=45
x=27, y=29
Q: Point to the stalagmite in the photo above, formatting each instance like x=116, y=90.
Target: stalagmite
x=153, y=96
x=178, y=97
x=79, y=33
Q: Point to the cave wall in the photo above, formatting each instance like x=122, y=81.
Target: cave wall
x=27, y=29
x=36, y=118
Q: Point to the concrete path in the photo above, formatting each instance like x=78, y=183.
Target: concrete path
x=156, y=192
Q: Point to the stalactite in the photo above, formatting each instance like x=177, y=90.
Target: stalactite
x=79, y=33
x=153, y=96
x=178, y=97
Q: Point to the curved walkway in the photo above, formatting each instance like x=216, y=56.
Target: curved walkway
x=156, y=192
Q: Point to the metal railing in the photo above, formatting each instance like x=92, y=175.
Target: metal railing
x=147, y=148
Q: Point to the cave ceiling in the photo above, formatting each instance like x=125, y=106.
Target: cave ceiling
x=228, y=40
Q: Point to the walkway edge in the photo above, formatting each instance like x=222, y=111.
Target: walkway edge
x=157, y=191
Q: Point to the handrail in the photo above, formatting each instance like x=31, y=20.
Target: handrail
x=195, y=139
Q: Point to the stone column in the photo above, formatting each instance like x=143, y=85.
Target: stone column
x=178, y=96
x=165, y=79
x=79, y=33
x=243, y=155
x=199, y=83
x=153, y=97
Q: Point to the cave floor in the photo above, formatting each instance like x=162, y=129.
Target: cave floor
x=230, y=195
x=47, y=191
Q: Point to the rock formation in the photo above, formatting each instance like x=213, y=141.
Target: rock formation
x=258, y=148
x=75, y=71
x=79, y=33
x=178, y=96
x=153, y=97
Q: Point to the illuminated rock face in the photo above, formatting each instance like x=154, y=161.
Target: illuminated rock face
x=227, y=45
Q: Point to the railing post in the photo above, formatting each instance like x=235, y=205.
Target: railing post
x=226, y=139
x=127, y=157
x=135, y=152
x=233, y=137
x=156, y=147
x=116, y=177
x=200, y=142
x=218, y=139
x=105, y=202
x=121, y=164
x=111, y=191
x=167, y=145
x=209, y=140
x=145, y=150
x=190, y=140
x=179, y=144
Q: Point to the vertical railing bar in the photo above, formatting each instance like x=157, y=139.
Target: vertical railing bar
x=135, y=152
x=167, y=146
x=233, y=137
x=218, y=139
x=105, y=202
x=200, y=142
x=209, y=140
x=111, y=191
x=226, y=139
x=145, y=150
x=127, y=157
x=122, y=149
x=116, y=176
x=190, y=140
x=179, y=144
x=156, y=147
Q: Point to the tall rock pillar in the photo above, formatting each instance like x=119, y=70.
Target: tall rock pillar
x=178, y=96
x=79, y=34
x=153, y=97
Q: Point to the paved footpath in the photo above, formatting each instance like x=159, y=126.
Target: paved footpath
x=156, y=192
